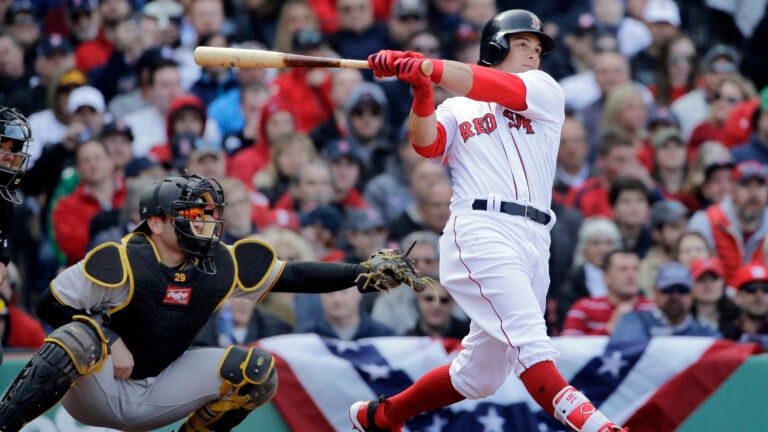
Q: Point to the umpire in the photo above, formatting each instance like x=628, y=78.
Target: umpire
x=126, y=315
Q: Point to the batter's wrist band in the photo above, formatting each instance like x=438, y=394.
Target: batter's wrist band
x=437, y=70
x=423, y=101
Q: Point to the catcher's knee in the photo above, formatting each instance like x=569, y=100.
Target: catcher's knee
x=250, y=377
x=83, y=341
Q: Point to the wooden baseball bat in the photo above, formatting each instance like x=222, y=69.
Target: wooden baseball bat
x=251, y=58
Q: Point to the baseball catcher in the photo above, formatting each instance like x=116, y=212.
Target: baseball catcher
x=126, y=315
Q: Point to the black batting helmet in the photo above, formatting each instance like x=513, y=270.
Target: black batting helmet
x=14, y=128
x=195, y=205
x=494, y=44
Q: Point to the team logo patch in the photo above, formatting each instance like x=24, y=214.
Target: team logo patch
x=535, y=23
x=177, y=295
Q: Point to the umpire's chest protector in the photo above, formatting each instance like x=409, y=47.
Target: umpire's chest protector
x=168, y=306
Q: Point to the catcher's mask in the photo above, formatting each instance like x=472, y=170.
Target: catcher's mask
x=15, y=136
x=494, y=41
x=195, y=205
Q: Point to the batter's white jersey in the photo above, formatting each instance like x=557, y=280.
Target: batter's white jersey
x=492, y=149
x=493, y=264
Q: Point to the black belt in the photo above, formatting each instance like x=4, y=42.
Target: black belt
x=515, y=209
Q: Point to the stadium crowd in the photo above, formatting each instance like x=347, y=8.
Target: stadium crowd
x=661, y=190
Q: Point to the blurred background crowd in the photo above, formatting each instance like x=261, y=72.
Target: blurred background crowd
x=660, y=192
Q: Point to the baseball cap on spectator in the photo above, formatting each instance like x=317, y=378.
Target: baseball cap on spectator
x=411, y=8
x=753, y=272
x=657, y=11
x=364, y=219
x=71, y=78
x=163, y=11
x=307, y=39
x=86, y=96
x=667, y=211
x=21, y=12
x=714, y=155
x=366, y=94
x=749, y=170
x=662, y=116
x=116, y=127
x=700, y=266
x=139, y=165
x=182, y=146
x=718, y=52
x=327, y=216
x=340, y=148
x=661, y=137
x=75, y=7
x=201, y=152
x=53, y=44
x=672, y=275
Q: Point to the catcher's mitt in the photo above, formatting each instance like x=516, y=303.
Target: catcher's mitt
x=387, y=269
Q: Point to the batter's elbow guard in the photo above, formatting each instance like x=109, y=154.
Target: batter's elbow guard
x=71, y=351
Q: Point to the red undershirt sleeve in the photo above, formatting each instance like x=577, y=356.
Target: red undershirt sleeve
x=490, y=85
x=436, y=148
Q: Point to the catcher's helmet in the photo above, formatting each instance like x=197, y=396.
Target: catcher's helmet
x=195, y=205
x=494, y=44
x=14, y=129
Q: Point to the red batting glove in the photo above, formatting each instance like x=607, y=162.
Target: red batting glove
x=383, y=62
x=409, y=70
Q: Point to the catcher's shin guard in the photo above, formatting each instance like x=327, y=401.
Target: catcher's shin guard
x=250, y=381
x=73, y=350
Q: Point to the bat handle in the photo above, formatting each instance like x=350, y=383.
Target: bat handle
x=427, y=67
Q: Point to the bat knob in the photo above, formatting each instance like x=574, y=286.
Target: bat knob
x=427, y=67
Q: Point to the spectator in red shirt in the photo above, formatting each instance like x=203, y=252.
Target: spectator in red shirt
x=18, y=329
x=308, y=90
x=598, y=316
x=346, y=168
x=99, y=189
x=278, y=119
x=321, y=227
x=616, y=157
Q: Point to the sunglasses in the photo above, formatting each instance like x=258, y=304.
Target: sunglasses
x=677, y=289
x=410, y=17
x=729, y=99
x=754, y=287
x=351, y=8
x=372, y=111
x=444, y=300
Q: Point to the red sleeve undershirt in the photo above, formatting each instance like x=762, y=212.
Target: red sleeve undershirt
x=436, y=148
x=490, y=85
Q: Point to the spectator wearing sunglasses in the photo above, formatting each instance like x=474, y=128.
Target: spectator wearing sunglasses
x=367, y=112
x=736, y=226
x=436, y=318
x=751, y=283
x=729, y=93
x=672, y=315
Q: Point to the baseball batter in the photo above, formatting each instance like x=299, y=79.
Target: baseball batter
x=501, y=141
x=126, y=316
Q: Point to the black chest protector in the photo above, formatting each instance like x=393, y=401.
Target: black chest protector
x=168, y=306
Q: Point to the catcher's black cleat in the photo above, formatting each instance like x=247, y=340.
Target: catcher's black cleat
x=363, y=413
